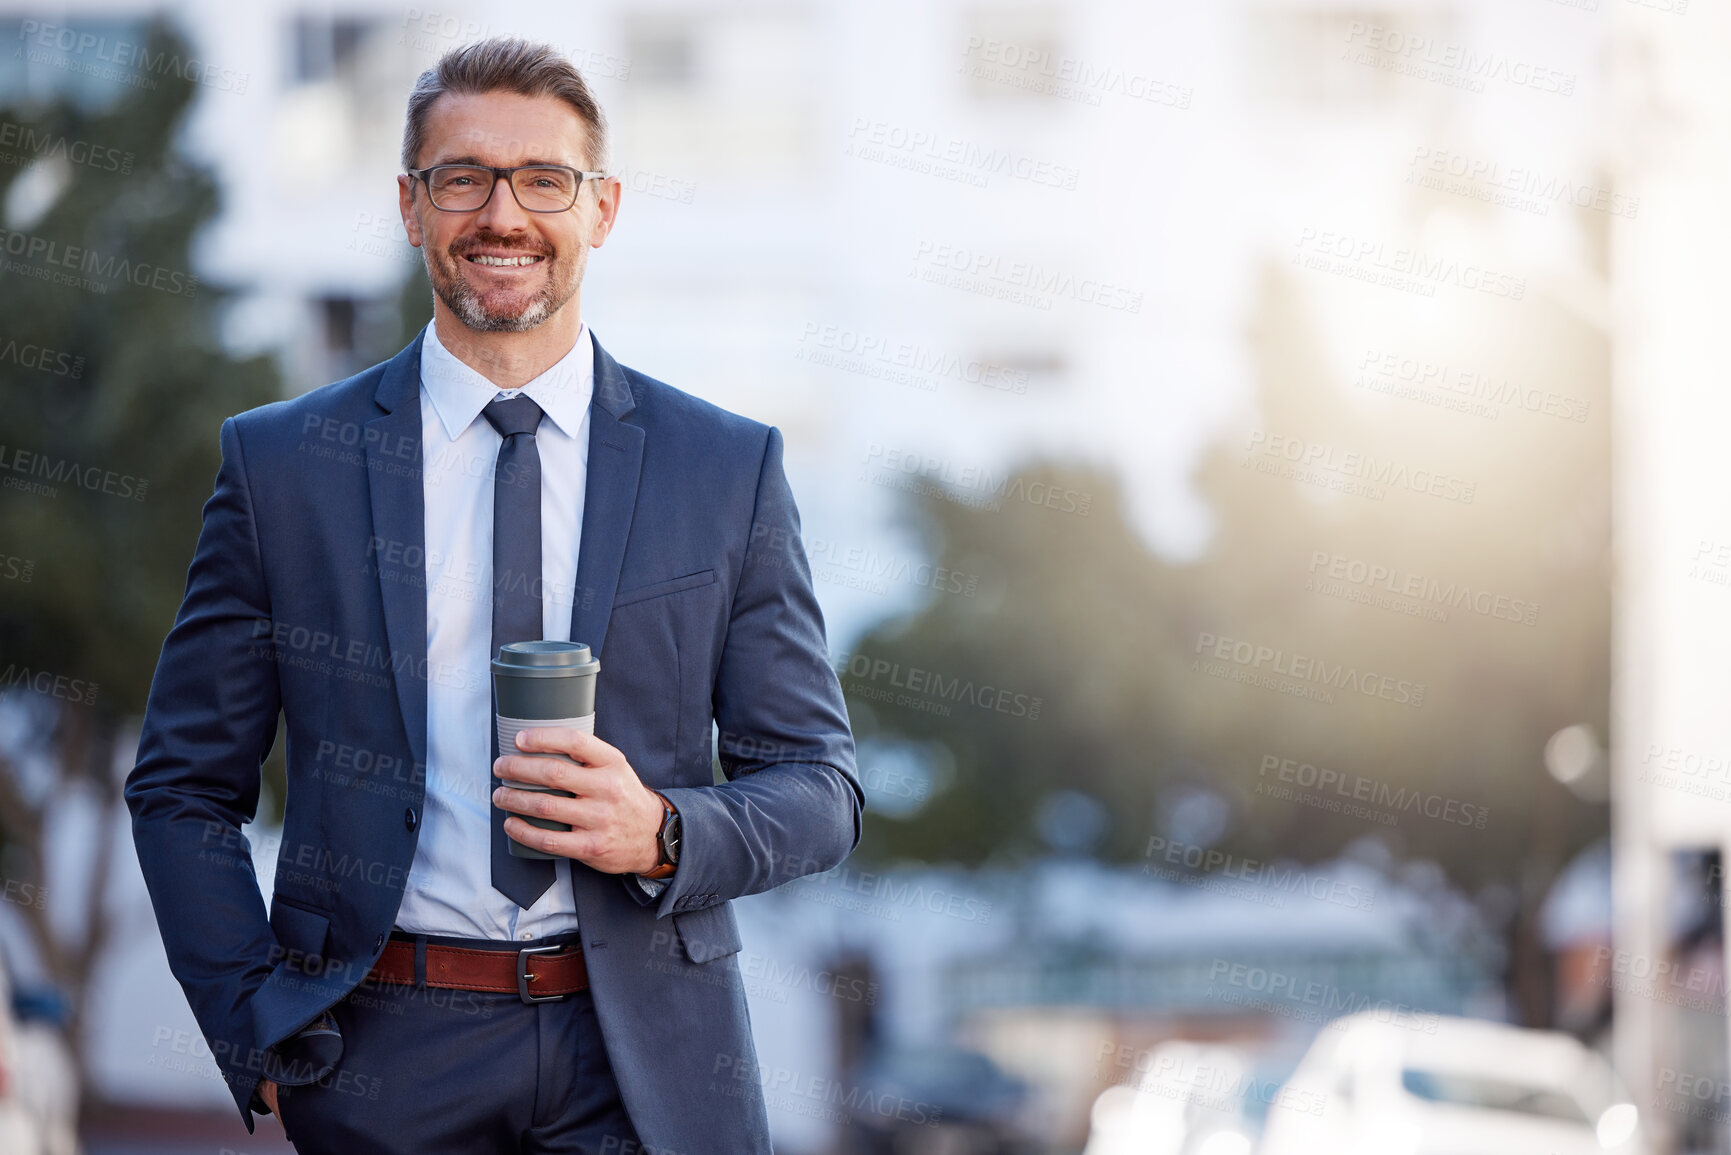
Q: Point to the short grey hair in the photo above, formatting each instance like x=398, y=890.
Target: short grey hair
x=505, y=64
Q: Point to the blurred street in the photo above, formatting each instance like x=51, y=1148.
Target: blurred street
x=1259, y=464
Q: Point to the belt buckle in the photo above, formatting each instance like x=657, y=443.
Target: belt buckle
x=523, y=975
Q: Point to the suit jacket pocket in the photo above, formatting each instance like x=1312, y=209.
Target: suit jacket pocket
x=300, y=932
x=707, y=934
x=663, y=588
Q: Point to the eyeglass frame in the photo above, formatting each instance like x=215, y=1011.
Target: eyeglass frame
x=506, y=175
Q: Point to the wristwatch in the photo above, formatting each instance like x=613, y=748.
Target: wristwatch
x=666, y=841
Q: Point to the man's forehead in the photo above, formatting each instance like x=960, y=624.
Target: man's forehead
x=504, y=128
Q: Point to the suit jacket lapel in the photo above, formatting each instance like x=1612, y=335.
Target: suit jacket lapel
x=609, y=500
x=399, y=532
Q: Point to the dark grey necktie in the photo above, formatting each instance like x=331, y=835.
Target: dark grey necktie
x=516, y=599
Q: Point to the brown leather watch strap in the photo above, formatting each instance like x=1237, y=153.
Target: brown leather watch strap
x=663, y=868
x=463, y=969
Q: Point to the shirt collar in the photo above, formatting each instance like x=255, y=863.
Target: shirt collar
x=459, y=393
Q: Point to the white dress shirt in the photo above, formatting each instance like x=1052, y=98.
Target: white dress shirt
x=450, y=889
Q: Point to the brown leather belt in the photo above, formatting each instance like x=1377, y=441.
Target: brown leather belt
x=536, y=974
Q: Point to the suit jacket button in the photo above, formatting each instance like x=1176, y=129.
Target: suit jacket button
x=409, y=818
x=379, y=943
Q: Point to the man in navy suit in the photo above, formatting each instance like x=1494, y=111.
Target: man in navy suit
x=367, y=549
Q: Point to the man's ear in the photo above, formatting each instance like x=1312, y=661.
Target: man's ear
x=406, y=205
x=607, y=193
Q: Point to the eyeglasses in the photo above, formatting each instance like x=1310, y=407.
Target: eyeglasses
x=539, y=188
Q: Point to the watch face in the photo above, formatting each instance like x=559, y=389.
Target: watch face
x=669, y=835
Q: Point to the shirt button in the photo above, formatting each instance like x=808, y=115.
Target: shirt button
x=527, y=936
x=379, y=943
x=409, y=818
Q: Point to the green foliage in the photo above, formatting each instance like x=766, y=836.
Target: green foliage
x=414, y=308
x=1073, y=609
x=141, y=413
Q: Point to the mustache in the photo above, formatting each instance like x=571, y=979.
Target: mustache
x=466, y=245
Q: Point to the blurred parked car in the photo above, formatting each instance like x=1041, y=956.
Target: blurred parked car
x=16, y=1130
x=1440, y=1085
x=1188, y=1099
x=38, y=1083
x=936, y=1101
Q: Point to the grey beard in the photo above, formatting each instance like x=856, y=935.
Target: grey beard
x=460, y=297
x=462, y=301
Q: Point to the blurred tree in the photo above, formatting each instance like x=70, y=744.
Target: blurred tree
x=113, y=382
x=414, y=308
x=1114, y=641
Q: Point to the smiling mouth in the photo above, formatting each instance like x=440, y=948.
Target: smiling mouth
x=502, y=262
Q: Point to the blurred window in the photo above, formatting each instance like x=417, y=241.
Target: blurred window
x=663, y=56
x=1334, y=55
x=1491, y=1094
x=729, y=93
x=339, y=118
x=355, y=332
x=95, y=62
x=1015, y=53
x=325, y=47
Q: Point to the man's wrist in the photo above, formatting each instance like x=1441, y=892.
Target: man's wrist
x=666, y=841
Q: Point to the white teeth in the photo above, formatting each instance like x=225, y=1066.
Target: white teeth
x=485, y=260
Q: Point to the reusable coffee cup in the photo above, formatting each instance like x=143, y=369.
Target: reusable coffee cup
x=542, y=684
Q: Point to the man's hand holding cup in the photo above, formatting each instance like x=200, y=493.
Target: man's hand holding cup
x=614, y=818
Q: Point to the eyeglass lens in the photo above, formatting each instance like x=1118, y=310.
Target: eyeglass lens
x=462, y=188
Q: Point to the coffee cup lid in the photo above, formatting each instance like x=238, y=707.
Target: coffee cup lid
x=545, y=659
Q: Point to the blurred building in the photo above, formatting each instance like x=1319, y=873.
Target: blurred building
x=1671, y=749
x=949, y=236
x=941, y=238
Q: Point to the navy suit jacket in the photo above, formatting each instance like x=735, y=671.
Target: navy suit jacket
x=307, y=596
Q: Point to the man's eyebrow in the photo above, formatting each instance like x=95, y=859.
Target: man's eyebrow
x=475, y=160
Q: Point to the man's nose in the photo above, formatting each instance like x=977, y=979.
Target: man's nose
x=502, y=213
